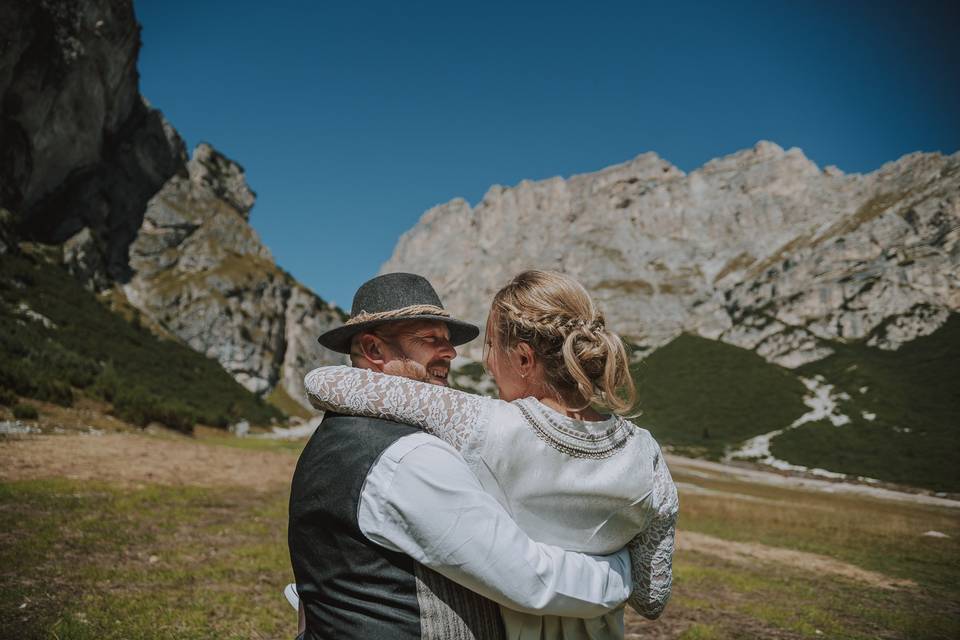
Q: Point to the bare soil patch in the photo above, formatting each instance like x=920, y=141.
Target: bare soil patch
x=744, y=472
x=134, y=458
x=751, y=552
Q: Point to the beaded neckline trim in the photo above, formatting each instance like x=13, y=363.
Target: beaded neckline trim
x=572, y=442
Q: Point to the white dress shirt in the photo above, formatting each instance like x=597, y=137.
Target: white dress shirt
x=421, y=499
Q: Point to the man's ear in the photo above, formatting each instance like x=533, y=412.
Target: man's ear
x=371, y=347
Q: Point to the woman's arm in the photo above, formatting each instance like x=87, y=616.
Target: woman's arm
x=453, y=416
x=651, y=552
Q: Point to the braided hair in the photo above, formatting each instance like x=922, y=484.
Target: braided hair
x=555, y=315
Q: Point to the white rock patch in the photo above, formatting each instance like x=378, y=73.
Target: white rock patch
x=823, y=406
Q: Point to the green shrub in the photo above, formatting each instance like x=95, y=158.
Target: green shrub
x=34, y=382
x=23, y=411
x=141, y=407
x=7, y=398
x=107, y=383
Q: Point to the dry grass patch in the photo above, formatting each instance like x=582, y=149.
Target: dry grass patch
x=131, y=459
x=88, y=560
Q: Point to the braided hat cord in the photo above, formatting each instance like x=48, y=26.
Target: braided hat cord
x=403, y=312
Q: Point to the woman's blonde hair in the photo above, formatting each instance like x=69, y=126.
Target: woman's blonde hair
x=555, y=315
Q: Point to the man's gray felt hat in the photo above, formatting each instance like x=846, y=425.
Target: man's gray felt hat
x=394, y=297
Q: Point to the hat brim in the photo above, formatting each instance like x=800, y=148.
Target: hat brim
x=339, y=339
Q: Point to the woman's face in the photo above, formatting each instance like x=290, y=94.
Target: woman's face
x=503, y=367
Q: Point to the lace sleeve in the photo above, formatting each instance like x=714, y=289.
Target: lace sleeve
x=453, y=416
x=651, y=552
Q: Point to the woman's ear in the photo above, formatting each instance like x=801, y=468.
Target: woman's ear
x=525, y=359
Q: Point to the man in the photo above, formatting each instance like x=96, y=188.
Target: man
x=385, y=520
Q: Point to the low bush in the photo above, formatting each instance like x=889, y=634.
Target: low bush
x=141, y=407
x=27, y=379
x=7, y=398
x=23, y=411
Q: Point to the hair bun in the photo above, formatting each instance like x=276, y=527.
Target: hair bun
x=555, y=315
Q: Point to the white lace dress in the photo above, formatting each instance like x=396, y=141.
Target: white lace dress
x=583, y=486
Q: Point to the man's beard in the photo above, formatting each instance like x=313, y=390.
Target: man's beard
x=436, y=372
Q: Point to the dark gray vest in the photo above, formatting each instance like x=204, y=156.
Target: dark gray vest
x=349, y=586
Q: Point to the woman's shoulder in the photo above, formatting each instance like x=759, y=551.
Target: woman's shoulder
x=643, y=436
x=505, y=413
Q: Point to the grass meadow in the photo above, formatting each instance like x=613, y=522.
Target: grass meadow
x=133, y=557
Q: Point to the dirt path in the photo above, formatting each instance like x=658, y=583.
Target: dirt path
x=717, y=470
x=751, y=552
x=132, y=458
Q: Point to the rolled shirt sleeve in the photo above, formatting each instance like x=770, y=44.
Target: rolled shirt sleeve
x=421, y=499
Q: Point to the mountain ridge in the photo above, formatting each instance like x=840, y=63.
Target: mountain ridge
x=647, y=232
x=750, y=288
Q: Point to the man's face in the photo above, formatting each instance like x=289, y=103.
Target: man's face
x=426, y=342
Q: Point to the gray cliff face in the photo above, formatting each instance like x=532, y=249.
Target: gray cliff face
x=82, y=151
x=201, y=271
x=760, y=248
x=85, y=162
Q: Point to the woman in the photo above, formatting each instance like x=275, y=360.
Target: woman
x=568, y=475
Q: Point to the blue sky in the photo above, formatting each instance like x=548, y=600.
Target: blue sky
x=351, y=119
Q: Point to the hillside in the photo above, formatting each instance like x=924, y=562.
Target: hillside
x=201, y=272
x=903, y=408
x=58, y=342
x=863, y=411
x=701, y=396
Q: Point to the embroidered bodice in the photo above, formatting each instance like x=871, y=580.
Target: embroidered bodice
x=584, y=486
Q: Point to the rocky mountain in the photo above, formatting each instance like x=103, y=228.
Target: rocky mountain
x=88, y=164
x=760, y=249
x=201, y=271
x=786, y=315
x=81, y=151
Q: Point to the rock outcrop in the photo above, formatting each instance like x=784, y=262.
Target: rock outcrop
x=202, y=273
x=81, y=150
x=761, y=248
x=85, y=162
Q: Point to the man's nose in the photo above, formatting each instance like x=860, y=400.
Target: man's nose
x=447, y=351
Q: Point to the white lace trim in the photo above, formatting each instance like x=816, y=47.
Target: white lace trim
x=651, y=552
x=453, y=416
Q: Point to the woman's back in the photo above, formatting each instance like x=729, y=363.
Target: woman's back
x=575, y=484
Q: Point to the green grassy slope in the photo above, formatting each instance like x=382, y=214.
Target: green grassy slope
x=91, y=349
x=914, y=392
x=701, y=396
